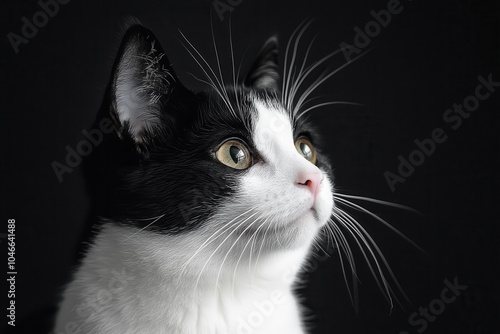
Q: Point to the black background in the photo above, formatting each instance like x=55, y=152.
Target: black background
x=424, y=61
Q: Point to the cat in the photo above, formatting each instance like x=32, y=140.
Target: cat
x=209, y=202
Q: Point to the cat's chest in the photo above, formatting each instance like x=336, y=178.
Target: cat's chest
x=257, y=312
x=157, y=309
x=126, y=292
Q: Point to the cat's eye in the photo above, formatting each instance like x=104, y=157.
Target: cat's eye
x=306, y=148
x=235, y=154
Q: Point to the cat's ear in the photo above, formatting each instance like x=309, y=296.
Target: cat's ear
x=264, y=72
x=143, y=81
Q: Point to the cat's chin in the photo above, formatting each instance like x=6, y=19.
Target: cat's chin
x=316, y=216
x=301, y=231
x=296, y=233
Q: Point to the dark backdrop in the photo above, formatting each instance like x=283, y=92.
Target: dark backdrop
x=425, y=60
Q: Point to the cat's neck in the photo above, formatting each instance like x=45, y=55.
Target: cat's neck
x=173, y=260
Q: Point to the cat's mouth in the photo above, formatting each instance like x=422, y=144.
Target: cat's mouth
x=275, y=227
x=305, y=216
x=314, y=213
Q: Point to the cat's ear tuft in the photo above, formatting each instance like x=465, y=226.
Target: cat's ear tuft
x=264, y=72
x=143, y=80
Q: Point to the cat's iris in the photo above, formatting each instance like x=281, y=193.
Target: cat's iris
x=235, y=154
x=306, y=148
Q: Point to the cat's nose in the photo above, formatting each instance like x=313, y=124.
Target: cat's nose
x=311, y=179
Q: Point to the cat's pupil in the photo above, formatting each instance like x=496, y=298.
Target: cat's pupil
x=237, y=154
x=306, y=151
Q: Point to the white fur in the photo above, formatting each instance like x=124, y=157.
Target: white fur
x=214, y=279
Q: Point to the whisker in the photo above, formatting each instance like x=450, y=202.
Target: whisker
x=317, y=83
x=232, y=246
x=292, y=62
x=284, y=91
x=220, y=245
x=145, y=227
x=395, y=230
x=254, y=237
x=356, y=233
x=243, y=251
x=220, y=85
x=358, y=226
x=212, y=237
x=204, y=81
x=345, y=245
x=223, y=87
x=201, y=57
x=354, y=299
x=329, y=237
x=309, y=70
x=373, y=243
x=301, y=71
x=324, y=251
x=232, y=61
x=377, y=201
x=326, y=104
x=262, y=244
x=239, y=66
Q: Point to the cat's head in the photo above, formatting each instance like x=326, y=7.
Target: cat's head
x=232, y=159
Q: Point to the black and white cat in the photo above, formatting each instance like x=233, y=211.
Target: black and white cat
x=209, y=203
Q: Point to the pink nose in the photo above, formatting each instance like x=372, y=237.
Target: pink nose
x=311, y=180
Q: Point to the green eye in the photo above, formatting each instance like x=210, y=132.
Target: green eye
x=306, y=149
x=235, y=154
